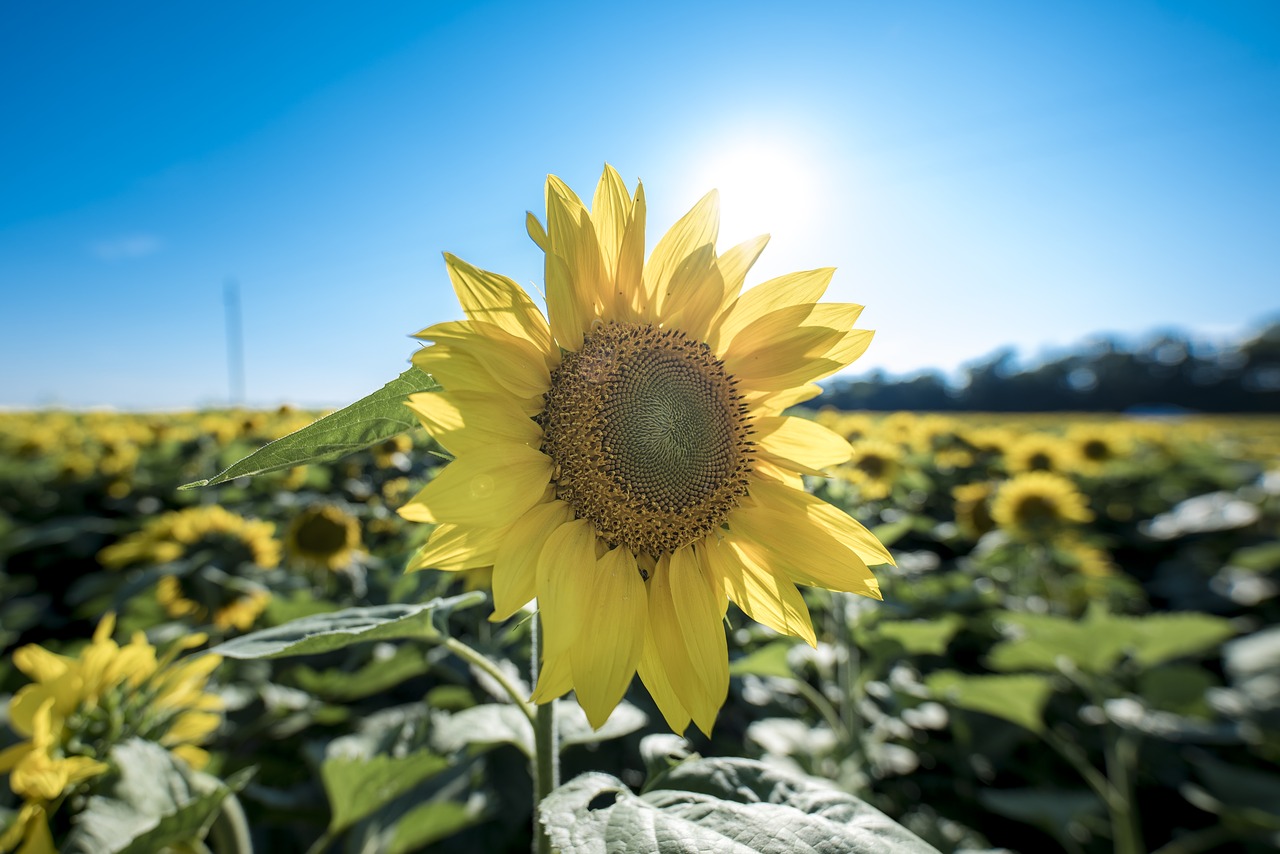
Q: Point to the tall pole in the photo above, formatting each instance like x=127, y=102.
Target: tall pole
x=235, y=341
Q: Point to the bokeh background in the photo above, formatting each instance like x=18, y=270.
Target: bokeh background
x=983, y=175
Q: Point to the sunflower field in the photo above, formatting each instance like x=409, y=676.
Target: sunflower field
x=1077, y=650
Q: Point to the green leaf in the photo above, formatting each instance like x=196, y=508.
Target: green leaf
x=484, y=726
x=1052, y=810
x=366, y=422
x=338, y=629
x=768, y=660
x=921, y=637
x=430, y=822
x=1178, y=688
x=1093, y=644
x=722, y=805
x=358, y=787
x=376, y=677
x=151, y=803
x=572, y=725
x=1018, y=698
x=1163, y=637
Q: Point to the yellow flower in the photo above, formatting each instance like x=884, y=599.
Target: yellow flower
x=323, y=535
x=1040, y=452
x=625, y=459
x=1038, y=506
x=238, y=607
x=1098, y=445
x=175, y=534
x=973, y=508
x=873, y=466
x=29, y=833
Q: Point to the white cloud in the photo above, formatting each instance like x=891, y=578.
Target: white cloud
x=125, y=247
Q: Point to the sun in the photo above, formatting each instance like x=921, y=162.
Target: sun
x=766, y=186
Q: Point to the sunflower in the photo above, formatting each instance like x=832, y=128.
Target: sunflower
x=323, y=535
x=78, y=708
x=1040, y=452
x=873, y=466
x=1039, y=506
x=625, y=459
x=1097, y=446
x=973, y=508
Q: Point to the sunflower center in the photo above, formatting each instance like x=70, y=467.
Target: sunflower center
x=1037, y=511
x=648, y=435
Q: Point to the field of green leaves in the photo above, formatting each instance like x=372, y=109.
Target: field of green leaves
x=1078, y=650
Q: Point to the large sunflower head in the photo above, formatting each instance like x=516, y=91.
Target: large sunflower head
x=625, y=458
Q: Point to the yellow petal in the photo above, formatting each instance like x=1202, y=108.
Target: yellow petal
x=801, y=288
x=565, y=565
x=792, y=543
x=698, y=228
x=495, y=299
x=765, y=403
x=738, y=261
x=515, y=567
x=194, y=756
x=456, y=547
x=13, y=754
x=40, y=664
x=654, y=676
x=682, y=638
x=804, y=445
x=457, y=370
x=789, y=347
x=614, y=625
x=555, y=679
x=537, y=233
x=610, y=213
x=694, y=294
x=573, y=288
x=630, y=300
x=767, y=596
x=512, y=362
x=467, y=421
x=487, y=491
x=700, y=612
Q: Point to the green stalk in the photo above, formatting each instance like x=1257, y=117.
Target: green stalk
x=546, y=763
x=1121, y=756
x=475, y=659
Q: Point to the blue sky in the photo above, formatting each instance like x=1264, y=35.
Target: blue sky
x=981, y=174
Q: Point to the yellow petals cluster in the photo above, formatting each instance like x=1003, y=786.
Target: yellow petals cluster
x=1039, y=506
x=624, y=458
x=172, y=535
x=77, y=708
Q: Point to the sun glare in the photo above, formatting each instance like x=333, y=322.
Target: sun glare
x=766, y=187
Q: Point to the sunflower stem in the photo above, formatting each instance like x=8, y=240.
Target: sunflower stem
x=546, y=762
x=475, y=659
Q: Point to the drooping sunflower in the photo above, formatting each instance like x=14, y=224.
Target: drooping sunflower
x=625, y=459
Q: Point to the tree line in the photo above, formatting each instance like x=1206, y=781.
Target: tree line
x=1167, y=372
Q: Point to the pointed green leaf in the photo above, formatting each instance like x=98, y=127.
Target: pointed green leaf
x=1164, y=637
x=1019, y=698
x=921, y=637
x=368, y=421
x=768, y=660
x=359, y=786
x=337, y=629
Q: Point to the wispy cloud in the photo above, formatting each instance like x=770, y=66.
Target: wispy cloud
x=125, y=247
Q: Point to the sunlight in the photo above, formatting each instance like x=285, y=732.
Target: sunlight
x=766, y=187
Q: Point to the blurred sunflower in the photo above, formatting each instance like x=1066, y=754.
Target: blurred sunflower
x=1097, y=446
x=973, y=508
x=1039, y=506
x=873, y=467
x=79, y=707
x=236, y=605
x=181, y=532
x=1040, y=452
x=323, y=535
x=626, y=460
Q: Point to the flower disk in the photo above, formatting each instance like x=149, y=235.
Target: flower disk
x=648, y=437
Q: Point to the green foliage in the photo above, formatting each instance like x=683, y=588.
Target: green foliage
x=371, y=419
x=152, y=802
x=358, y=787
x=736, y=805
x=338, y=629
x=1019, y=699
